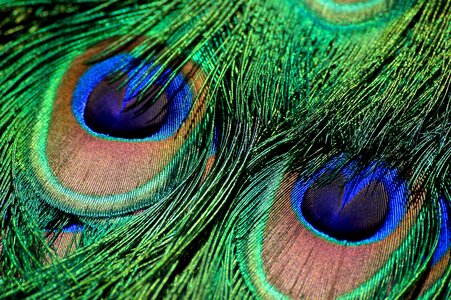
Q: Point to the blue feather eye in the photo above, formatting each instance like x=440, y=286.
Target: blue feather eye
x=105, y=109
x=361, y=207
x=345, y=229
x=112, y=134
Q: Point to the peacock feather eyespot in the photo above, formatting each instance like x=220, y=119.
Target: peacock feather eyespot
x=105, y=143
x=345, y=229
x=108, y=109
x=352, y=12
x=352, y=207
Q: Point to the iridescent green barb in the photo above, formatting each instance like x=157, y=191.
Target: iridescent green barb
x=225, y=149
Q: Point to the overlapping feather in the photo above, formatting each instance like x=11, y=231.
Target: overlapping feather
x=289, y=87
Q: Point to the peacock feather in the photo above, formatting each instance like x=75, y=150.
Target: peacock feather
x=222, y=149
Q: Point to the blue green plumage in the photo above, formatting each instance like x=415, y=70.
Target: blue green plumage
x=225, y=149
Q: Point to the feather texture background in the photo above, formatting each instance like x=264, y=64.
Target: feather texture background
x=225, y=149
